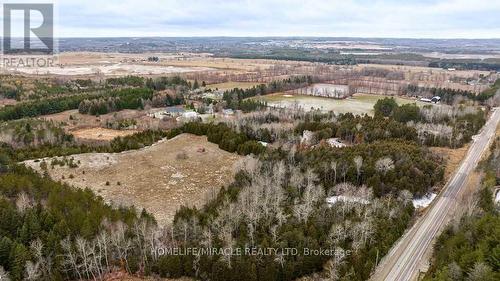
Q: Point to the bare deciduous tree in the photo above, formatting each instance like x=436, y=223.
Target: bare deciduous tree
x=358, y=162
x=4, y=275
x=23, y=202
x=384, y=164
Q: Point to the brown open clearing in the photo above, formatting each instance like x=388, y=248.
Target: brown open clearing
x=101, y=134
x=452, y=157
x=4, y=102
x=84, y=126
x=184, y=170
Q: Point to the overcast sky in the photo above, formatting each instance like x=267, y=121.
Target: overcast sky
x=352, y=18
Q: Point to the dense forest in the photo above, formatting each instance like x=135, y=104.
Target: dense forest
x=279, y=201
x=431, y=126
x=443, y=125
x=44, y=224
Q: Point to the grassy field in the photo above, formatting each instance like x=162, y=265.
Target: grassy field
x=160, y=178
x=358, y=104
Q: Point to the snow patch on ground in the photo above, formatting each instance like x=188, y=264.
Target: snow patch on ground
x=424, y=201
x=335, y=199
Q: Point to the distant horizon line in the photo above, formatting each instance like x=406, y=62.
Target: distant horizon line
x=271, y=36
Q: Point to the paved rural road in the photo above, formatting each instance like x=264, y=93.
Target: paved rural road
x=406, y=258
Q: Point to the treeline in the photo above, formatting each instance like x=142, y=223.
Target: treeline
x=130, y=80
x=302, y=55
x=43, y=107
x=118, y=144
x=448, y=95
x=29, y=132
x=21, y=88
x=162, y=83
x=124, y=98
x=116, y=100
x=350, y=255
x=227, y=139
x=465, y=65
x=492, y=164
x=137, y=140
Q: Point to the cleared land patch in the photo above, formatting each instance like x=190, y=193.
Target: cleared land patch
x=72, y=121
x=160, y=178
x=5, y=102
x=101, y=134
x=453, y=158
